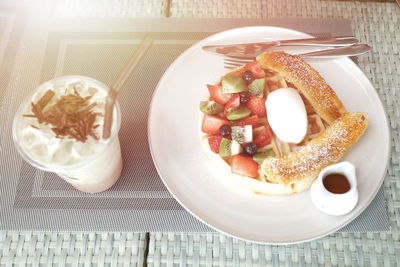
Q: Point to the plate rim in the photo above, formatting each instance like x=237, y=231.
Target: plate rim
x=347, y=62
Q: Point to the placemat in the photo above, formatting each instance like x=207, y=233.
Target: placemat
x=36, y=200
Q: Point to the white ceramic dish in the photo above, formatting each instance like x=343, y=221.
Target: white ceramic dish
x=173, y=132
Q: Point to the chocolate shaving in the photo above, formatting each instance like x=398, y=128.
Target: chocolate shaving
x=70, y=116
x=45, y=99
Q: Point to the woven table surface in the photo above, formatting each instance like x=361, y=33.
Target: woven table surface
x=376, y=23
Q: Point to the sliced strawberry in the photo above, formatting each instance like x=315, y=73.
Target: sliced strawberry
x=245, y=166
x=217, y=94
x=264, y=138
x=211, y=124
x=215, y=142
x=257, y=106
x=234, y=102
x=252, y=120
x=256, y=69
x=239, y=72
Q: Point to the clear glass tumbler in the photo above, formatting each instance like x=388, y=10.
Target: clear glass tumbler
x=91, y=166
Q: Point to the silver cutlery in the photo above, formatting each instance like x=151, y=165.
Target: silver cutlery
x=353, y=50
x=251, y=50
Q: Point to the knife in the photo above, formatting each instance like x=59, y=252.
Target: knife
x=253, y=49
x=352, y=50
x=344, y=51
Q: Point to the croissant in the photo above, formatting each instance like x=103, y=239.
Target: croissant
x=325, y=149
x=307, y=80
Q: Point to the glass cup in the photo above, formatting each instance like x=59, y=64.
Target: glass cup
x=92, y=166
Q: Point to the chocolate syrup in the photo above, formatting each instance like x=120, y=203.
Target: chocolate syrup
x=336, y=183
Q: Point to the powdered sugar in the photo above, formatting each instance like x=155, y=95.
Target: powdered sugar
x=326, y=149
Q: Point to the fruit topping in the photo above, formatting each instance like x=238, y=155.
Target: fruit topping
x=211, y=107
x=225, y=130
x=256, y=88
x=238, y=113
x=248, y=76
x=214, y=143
x=244, y=97
x=217, y=94
x=256, y=69
x=252, y=120
x=229, y=148
x=264, y=137
x=257, y=106
x=231, y=83
x=245, y=166
x=212, y=123
x=242, y=134
x=250, y=148
x=234, y=102
x=259, y=157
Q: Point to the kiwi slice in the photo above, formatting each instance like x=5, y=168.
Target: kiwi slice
x=229, y=148
x=211, y=107
x=256, y=87
x=231, y=83
x=242, y=134
x=261, y=156
x=238, y=113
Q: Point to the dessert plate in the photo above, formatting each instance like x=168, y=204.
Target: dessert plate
x=173, y=132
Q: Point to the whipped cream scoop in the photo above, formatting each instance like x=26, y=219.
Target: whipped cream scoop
x=287, y=115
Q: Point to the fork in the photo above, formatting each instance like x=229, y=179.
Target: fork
x=353, y=50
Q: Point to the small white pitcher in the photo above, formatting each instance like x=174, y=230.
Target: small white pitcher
x=331, y=203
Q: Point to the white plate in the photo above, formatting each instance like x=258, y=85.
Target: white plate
x=188, y=175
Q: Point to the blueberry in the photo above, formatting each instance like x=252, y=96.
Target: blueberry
x=250, y=148
x=244, y=97
x=225, y=130
x=248, y=76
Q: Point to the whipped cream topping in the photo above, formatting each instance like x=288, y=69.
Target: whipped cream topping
x=40, y=142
